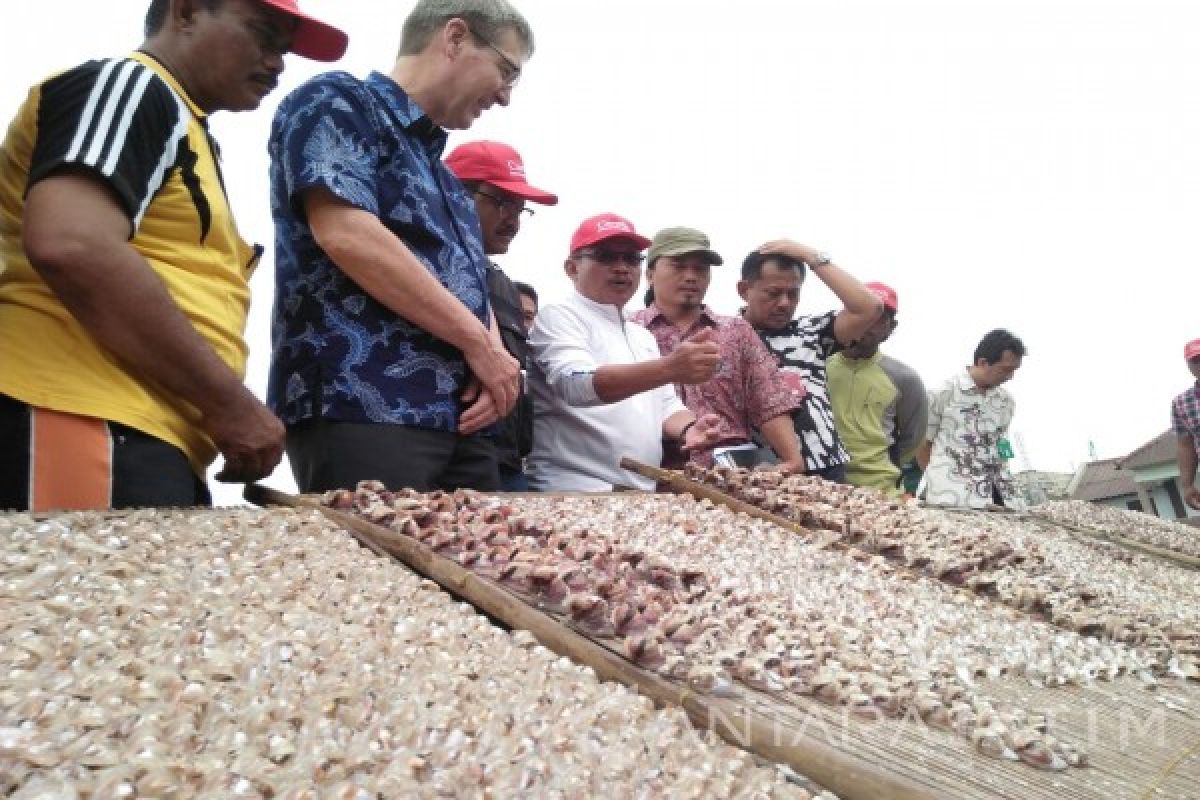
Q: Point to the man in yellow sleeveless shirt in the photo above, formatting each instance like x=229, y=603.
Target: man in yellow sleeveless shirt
x=123, y=278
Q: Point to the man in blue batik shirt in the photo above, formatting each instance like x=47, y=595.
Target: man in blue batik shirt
x=386, y=361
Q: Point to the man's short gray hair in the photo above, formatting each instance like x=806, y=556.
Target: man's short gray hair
x=488, y=19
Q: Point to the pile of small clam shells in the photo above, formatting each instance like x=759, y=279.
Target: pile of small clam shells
x=784, y=617
x=1142, y=527
x=264, y=654
x=720, y=600
x=1086, y=586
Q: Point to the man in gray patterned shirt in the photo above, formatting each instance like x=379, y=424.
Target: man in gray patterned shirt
x=771, y=279
x=964, y=453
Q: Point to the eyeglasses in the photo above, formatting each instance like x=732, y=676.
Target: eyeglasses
x=509, y=205
x=510, y=71
x=610, y=257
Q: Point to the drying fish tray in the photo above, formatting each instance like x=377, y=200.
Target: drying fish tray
x=682, y=484
x=1142, y=744
x=679, y=484
x=1175, y=557
x=842, y=771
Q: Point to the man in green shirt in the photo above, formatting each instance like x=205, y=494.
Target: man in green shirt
x=879, y=404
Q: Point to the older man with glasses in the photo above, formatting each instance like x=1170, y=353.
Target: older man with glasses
x=494, y=174
x=387, y=360
x=600, y=389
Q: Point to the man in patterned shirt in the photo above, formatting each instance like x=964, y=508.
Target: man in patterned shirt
x=124, y=281
x=969, y=415
x=748, y=392
x=1185, y=419
x=771, y=279
x=387, y=361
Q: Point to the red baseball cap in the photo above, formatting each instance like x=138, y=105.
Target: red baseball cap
x=885, y=293
x=313, y=39
x=603, y=227
x=1191, y=349
x=499, y=165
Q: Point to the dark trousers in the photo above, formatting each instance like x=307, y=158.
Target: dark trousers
x=55, y=461
x=836, y=473
x=327, y=454
x=513, y=480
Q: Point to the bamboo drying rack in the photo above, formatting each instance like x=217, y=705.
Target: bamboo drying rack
x=849, y=776
x=1165, y=553
x=679, y=484
x=870, y=760
x=683, y=485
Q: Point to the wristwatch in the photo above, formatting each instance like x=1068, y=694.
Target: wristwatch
x=820, y=259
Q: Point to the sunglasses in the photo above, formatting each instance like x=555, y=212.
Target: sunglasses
x=610, y=257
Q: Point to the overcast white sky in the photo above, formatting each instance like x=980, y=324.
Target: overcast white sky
x=1032, y=164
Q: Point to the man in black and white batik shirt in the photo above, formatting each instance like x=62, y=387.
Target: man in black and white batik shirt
x=770, y=285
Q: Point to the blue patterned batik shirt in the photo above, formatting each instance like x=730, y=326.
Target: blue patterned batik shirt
x=336, y=352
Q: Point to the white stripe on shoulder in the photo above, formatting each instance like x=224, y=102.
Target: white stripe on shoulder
x=99, y=139
x=170, y=153
x=89, y=110
x=117, y=145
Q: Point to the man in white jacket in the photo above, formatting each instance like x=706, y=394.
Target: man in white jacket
x=600, y=389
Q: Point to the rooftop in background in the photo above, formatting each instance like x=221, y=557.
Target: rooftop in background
x=1159, y=450
x=1101, y=480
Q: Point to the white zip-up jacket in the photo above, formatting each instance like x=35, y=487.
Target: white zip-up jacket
x=578, y=440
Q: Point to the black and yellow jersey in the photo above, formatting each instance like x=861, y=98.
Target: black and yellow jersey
x=128, y=123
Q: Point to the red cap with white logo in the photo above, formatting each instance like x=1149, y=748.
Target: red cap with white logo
x=1191, y=349
x=602, y=227
x=885, y=293
x=313, y=39
x=499, y=165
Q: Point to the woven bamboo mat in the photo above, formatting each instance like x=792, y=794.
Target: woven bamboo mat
x=1138, y=747
x=1141, y=744
x=1172, y=556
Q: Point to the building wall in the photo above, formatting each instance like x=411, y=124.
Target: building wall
x=1162, y=502
x=1168, y=470
x=1122, y=502
x=1165, y=508
x=1156, y=475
